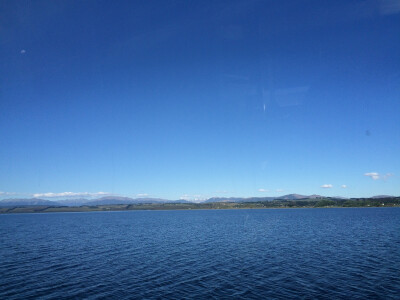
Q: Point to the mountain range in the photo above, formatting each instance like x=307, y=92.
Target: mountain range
x=256, y=199
x=109, y=200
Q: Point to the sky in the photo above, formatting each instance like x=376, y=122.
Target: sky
x=199, y=99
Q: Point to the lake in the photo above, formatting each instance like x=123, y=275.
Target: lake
x=248, y=254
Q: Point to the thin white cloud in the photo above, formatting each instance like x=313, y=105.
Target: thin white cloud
x=280, y=190
x=327, y=186
x=376, y=176
x=7, y=193
x=142, y=195
x=373, y=175
x=387, y=175
x=69, y=194
x=263, y=190
x=344, y=186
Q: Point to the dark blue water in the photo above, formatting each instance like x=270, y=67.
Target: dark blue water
x=288, y=253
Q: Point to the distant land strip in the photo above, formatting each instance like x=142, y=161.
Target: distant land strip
x=302, y=203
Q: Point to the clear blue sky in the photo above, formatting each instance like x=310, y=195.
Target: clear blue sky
x=194, y=99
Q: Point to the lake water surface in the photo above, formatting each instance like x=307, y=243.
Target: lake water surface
x=270, y=253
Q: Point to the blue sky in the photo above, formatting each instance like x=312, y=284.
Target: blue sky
x=194, y=99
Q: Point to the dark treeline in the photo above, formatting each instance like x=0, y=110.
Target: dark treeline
x=303, y=203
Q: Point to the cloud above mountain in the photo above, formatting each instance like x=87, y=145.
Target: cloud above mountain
x=327, y=186
x=69, y=194
x=142, y=195
x=6, y=193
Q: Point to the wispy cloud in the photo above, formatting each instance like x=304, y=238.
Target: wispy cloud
x=387, y=175
x=69, y=194
x=344, y=186
x=263, y=190
x=280, y=190
x=142, y=195
x=7, y=193
x=376, y=176
x=373, y=175
x=327, y=186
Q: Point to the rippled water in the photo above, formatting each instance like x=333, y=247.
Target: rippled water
x=288, y=253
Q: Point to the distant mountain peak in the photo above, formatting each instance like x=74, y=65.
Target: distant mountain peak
x=381, y=196
x=28, y=202
x=292, y=197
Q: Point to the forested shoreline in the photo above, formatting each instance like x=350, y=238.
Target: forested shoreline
x=303, y=203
